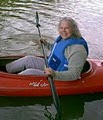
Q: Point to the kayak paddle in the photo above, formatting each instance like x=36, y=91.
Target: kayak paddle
x=50, y=78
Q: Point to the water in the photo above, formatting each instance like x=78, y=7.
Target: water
x=19, y=35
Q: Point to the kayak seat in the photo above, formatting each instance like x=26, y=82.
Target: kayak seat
x=86, y=67
x=2, y=68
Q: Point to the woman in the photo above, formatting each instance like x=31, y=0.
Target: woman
x=66, y=60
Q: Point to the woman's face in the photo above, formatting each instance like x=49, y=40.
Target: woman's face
x=65, y=29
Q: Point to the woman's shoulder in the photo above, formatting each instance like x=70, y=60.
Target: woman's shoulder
x=75, y=48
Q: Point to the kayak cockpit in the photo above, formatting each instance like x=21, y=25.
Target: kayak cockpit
x=4, y=60
x=86, y=67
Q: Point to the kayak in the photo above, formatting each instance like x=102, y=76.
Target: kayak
x=91, y=81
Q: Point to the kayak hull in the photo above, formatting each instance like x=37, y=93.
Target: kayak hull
x=91, y=81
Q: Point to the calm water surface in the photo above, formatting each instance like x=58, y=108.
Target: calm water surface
x=19, y=35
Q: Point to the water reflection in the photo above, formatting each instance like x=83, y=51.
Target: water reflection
x=26, y=113
x=93, y=110
x=74, y=107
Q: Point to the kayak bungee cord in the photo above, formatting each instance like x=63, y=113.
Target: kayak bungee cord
x=50, y=78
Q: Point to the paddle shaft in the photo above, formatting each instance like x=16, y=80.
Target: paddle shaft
x=50, y=78
x=43, y=48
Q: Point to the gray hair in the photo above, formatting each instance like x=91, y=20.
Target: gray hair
x=75, y=30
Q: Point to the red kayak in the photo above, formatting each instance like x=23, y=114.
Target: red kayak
x=91, y=81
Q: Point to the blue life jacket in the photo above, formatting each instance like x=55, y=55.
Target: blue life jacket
x=56, y=60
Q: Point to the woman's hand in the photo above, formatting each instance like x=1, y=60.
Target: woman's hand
x=49, y=71
x=43, y=40
x=39, y=41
